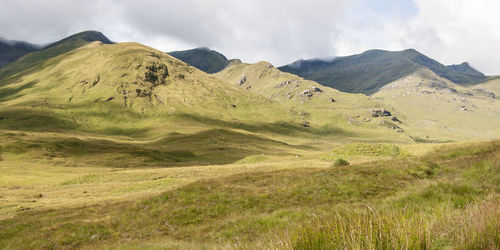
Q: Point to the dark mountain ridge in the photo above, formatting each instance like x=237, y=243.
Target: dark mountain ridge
x=369, y=71
x=203, y=59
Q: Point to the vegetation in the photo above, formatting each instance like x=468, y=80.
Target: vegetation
x=427, y=201
x=340, y=162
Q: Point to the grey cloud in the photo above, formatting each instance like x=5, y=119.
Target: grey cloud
x=279, y=31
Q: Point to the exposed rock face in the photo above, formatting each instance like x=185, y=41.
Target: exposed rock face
x=395, y=119
x=307, y=93
x=316, y=89
x=378, y=112
x=156, y=73
x=243, y=80
x=143, y=92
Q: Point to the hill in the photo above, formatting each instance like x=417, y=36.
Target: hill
x=439, y=108
x=320, y=106
x=126, y=92
x=204, y=59
x=368, y=72
x=82, y=37
x=13, y=50
x=53, y=50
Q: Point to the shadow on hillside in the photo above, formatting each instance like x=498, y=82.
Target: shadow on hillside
x=11, y=93
x=209, y=147
x=283, y=128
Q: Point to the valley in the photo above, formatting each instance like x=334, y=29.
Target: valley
x=122, y=146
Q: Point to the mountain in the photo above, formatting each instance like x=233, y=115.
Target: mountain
x=85, y=36
x=204, y=59
x=13, y=50
x=466, y=69
x=53, y=50
x=368, y=72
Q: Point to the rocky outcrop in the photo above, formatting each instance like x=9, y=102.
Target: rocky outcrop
x=156, y=73
x=243, y=80
x=379, y=112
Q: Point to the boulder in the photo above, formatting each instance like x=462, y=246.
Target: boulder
x=316, y=89
x=307, y=93
x=395, y=119
x=243, y=80
x=379, y=112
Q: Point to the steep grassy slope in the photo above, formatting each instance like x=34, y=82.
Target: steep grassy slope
x=373, y=69
x=322, y=106
x=13, y=50
x=436, y=108
x=204, y=59
x=52, y=50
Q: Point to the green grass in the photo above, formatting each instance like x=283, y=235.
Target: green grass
x=371, y=205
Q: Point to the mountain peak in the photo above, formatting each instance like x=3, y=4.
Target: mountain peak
x=466, y=68
x=369, y=71
x=202, y=58
x=86, y=36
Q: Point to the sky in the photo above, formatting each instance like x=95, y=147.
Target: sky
x=278, y=31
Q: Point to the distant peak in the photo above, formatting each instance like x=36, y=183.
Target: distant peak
x=203, y=48
x=89, y=36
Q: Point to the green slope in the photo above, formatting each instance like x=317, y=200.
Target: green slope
x=52, y=50
x=368, y=72
x=319, y=106
x=204, y=59
x=127, y=92
x=435, y=107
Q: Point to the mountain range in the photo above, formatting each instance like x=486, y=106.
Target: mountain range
x=13, y=50
x=88, y=69
x=369, y=71
x=120, y=145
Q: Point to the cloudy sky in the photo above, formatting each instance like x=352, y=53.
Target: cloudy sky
x=279, y=31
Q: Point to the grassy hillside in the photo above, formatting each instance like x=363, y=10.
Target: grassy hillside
x=138, y=104
x=368, y=72
x=434, y=107
x=444, y=199
x=209, y=61
x=319, y=106
x=52, y=50
x=491, y=86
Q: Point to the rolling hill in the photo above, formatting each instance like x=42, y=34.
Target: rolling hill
x=209, y=61
x=439, y=108
x=321, y=106
x=368, y=72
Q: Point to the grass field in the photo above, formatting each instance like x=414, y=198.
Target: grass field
x=430, y=196
x=122, y=146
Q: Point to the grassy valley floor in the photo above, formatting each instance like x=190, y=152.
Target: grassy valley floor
x=389, y=196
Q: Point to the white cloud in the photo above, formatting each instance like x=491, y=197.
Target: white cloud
x=279, y=31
